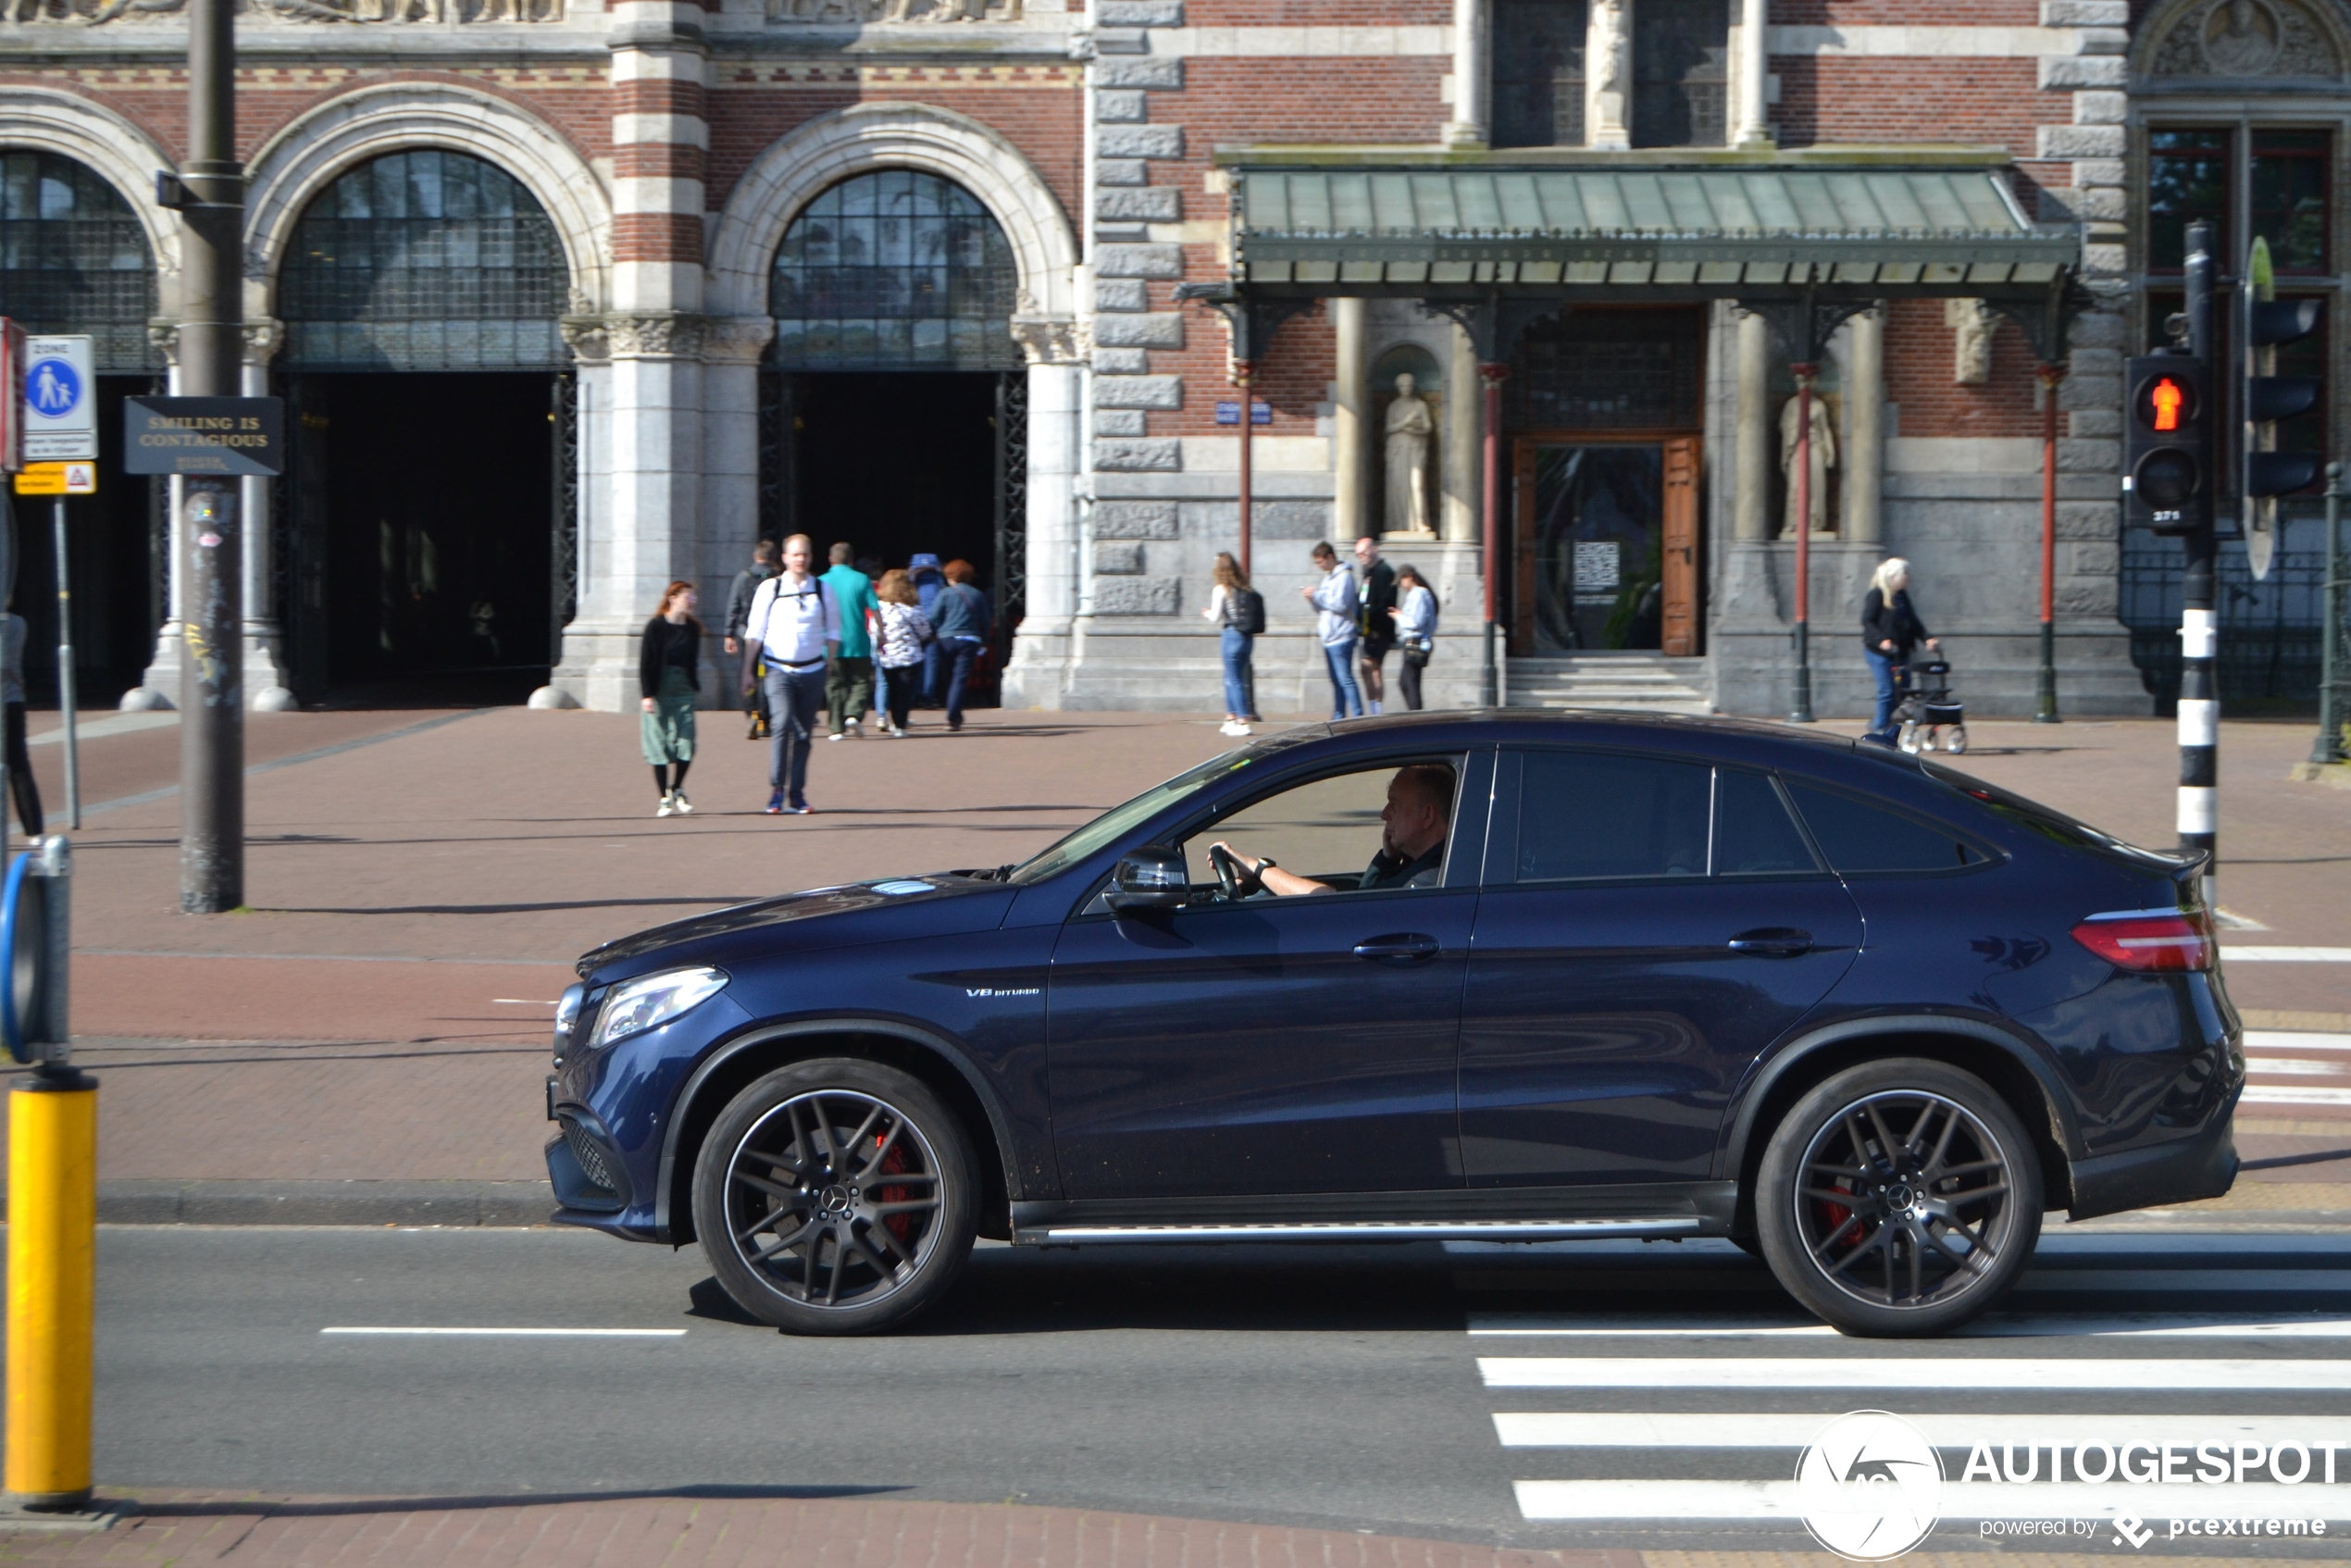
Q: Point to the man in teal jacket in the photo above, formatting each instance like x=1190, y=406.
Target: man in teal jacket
x=849, y=680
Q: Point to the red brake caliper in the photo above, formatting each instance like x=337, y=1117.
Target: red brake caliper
x=900, y=1226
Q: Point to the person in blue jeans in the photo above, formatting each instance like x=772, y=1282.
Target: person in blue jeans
x=929, y=584
x=1890, y=628
x=1225, y=602
x=1336, y=606
x=962, y=618
x=794, y=632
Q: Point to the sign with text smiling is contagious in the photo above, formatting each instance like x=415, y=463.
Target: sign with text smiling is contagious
x=228, y=436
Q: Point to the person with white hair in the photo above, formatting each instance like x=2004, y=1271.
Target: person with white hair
x=1890, y=628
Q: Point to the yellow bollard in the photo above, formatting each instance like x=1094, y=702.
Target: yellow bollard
x=53, y=1266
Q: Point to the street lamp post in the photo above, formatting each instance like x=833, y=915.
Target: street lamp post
x=2050, y=375
x=211, y=334
x=1491, y=376
x=2328, y=750
x=1801, y=712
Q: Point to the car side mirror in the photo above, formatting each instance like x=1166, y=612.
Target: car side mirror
x=1154, y=876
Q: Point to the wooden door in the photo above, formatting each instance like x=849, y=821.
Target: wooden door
x=1680, y=553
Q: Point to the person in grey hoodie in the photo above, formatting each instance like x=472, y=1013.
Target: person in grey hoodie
x=1337, y=608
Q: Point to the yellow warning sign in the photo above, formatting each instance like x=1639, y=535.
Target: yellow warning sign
x=58, y=478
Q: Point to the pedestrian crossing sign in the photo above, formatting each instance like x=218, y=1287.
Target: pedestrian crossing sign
x=58, y=478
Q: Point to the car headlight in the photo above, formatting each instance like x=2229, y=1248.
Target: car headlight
x=655, y=1000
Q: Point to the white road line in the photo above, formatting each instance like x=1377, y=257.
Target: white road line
x=2284, y=954
x=1644, y=1429
x=1983, y=1374
x=526, y=1333
x=2268, y=1281
x=1777, y=1499
x=2294, y=1094
x=2294, y=1040
x=2294, y=1066
x=2171, y=1326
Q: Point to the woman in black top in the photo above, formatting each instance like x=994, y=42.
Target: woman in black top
x=669, y=679
x=1890, y=628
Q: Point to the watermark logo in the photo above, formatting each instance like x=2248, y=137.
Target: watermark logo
x=2133, y=1530
x=1870, y=1485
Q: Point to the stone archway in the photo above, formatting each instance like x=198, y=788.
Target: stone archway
x=117, y=149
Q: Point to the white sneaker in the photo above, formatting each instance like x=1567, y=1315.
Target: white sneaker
x=834, y=736
x=668, y=806
x=851, y=725
x=1373, y=707
x=1236, y=728
x=678, y=804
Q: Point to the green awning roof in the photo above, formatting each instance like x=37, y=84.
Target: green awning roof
x=1924, y=229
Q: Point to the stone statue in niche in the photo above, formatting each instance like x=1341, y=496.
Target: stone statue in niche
x=1824, y=459
x=1609, y=58
x=1409, y=427
x=2247, y=38
x=1971, y=325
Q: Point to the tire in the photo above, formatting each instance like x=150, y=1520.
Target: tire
x=806, y=1238
x=1956, y=742
x=1911, y=739
x=1873, y=1268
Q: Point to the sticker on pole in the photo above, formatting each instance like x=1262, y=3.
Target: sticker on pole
x=60, y=400
x=58, y=478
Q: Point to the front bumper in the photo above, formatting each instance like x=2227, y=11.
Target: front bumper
x=2203, y=1164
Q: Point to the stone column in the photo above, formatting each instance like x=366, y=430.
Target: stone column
x=1351, y=439
x=731, y=346
x=1751, y=497
x=648, y=529
x=1037, y=675
x=1607, y=76
x=158, y=688
x=1864, y=451
x=1754, y=76
x=1471, y=78
x=1461, y=475
x=264, y=670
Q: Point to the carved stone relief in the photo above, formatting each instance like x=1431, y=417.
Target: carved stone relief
x=894, y=10
x=1971, y=326
x=2247, y=38
x=92, y=13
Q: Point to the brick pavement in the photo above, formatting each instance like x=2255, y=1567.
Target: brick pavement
x=419, y=887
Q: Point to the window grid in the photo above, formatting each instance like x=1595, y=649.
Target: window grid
x=896, y=270
x=73, y=258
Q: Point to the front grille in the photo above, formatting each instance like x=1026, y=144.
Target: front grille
x=600, y=1165
x=590, y=1158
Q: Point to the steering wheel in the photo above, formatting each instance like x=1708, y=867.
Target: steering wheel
x=1228, y=873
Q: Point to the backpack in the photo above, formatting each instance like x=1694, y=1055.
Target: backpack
x=1245, y=610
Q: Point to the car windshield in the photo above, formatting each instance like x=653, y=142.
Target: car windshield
x=1115, y=823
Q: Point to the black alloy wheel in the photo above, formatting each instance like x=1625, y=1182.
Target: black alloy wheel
x=835, y=1197
x=1900, y=1198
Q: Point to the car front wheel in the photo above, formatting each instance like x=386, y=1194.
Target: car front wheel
x=835, y=1197
x=1900, y=1198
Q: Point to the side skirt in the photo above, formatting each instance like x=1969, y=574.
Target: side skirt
x=1503, y=1214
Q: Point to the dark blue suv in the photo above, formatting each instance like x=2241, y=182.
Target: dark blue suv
x=1487, y=976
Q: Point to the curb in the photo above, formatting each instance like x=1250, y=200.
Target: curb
x=477, y=1203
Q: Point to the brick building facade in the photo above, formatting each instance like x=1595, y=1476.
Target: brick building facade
x=574, y=297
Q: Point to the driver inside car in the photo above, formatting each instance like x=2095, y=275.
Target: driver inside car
x=1411, y=850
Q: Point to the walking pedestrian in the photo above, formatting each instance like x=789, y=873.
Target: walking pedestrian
x=763, y=567
x=669, y=687
x=928, y=583
x=1375, y=586
x=962, y=618
x=1241, y=610
x=848, y=679
x=1415, y=619
x=21, y=784
x=1890, y=628
x=903, y=634
x=1337, y=605
x=795, y=623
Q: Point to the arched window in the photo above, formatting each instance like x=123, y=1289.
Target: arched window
x=424, y=260
x=73, y=258
x=894, y=271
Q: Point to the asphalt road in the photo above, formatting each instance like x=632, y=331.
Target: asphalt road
x=1353, y=1389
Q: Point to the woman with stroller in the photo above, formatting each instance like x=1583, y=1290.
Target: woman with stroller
x=901, y=635
x=1890, y=628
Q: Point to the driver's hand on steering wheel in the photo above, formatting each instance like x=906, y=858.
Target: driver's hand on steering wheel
x=1250, y=868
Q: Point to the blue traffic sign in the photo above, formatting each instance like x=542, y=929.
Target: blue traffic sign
x=52, y=388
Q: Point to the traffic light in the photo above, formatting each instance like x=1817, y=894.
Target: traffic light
x=2268, y=399
x=2167, y=466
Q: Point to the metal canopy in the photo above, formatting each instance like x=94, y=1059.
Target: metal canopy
x=1641, y=234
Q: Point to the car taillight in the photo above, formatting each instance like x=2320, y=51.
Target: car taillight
x=2165, y=942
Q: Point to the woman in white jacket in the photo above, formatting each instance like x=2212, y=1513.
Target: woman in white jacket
x=1416, y=615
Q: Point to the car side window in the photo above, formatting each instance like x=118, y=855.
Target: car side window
x=1754, y=836
x=1328, y=829
x=1860, y=838
x=1585, y=816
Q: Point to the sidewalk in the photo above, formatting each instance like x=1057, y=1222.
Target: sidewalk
x=367, y=1039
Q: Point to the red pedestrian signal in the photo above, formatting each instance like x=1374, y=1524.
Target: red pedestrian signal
x=2167, y=398
x=2167, y=404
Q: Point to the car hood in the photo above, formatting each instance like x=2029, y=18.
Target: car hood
x=933, y=904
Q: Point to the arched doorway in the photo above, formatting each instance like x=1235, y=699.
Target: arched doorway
x=430, y=404
x=74, y=258
x=893, y=294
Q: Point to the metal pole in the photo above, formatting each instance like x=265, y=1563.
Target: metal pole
x=1803, y=711
x=2199, y=704
x=2050, y=375
x=1249, y=429
x=52, y=1234
x=1491, y=376
x=2328, y=749
x=65, y=668
x=211, y=334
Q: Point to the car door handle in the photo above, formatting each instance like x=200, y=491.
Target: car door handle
x=1407, y=947
x=1773, y=941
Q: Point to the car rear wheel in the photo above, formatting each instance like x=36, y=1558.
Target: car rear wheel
x=835, y=1197
x=1900, y=1198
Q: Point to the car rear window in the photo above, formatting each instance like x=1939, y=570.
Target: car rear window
x=1589, y=814
x=1753, y=834
x=1860, y=838
x=2047, y=821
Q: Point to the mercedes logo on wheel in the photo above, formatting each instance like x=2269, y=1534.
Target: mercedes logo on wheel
x=1870, y=1485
